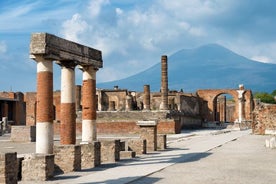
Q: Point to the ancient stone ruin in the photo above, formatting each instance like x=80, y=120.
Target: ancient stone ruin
x=138, y=120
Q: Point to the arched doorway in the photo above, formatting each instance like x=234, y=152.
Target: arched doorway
x=224, y=108
x=243, y=106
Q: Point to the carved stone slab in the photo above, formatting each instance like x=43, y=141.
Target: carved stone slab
x=52, y=47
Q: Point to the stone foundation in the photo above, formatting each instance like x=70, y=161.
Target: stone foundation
x=37, y=167
x=139, y=146
x=161, y=141
x=90, y=155
x=8, y=168
x=67, y=158
x=110, y=151
x=23, y=133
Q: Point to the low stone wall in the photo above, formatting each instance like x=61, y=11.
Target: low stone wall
x=264, y=119
x=110, y=151
x=90, y=155
x=139, y=146
x=37, y=167
x=23, y=133
x=8, y=168
x=67, y=158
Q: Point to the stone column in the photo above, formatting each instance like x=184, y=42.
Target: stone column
x=67, y=104
x=164, y=83
x=78, y=97
x=129, y=105
x=146, y=97
x=241, y=100
x=89, y=103
x=44, y=110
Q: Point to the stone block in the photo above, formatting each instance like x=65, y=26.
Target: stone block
x=271, y=142
x=127, y=154
x=90, y=155
x=139, y=146
x=8, y=168
x=23, y=133
x=161, y=141
x=67, y=158
x=148, y=131
x=110, y=151
x=37, y=167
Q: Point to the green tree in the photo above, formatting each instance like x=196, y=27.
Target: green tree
x=273, y=93
x=265, y=97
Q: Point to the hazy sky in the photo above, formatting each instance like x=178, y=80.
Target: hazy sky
x=132, y=35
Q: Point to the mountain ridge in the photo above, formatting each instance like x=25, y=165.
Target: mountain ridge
x=209, y=66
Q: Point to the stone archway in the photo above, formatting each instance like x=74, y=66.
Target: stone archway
x=243, y=102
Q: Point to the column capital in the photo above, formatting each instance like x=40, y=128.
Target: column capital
x=67, y=63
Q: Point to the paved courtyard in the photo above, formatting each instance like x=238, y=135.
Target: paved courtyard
x=205, y=156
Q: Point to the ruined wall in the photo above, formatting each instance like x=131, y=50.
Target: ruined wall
x=264, y=119
x=12, y=105
x=30, y=100
x=106, y=96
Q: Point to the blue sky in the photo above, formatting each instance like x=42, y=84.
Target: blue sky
x=132, y=35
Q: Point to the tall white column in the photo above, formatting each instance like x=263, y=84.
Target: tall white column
x=44, y=98
x=241, y=100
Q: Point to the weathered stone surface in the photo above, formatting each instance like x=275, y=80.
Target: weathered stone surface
x=127, y=154
x=110, y=151
x=67, y=158
x=161, y=141
x=264, y=119
x=8, y=168
x=148, y=131
x=23, y=133
x=139, y=146
x=59, y=49
x=37, y=167
x=90, y=155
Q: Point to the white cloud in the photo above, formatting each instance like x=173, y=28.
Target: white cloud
x=74, y=27
x=3, y=47
x=95, y=7
x=263, y=59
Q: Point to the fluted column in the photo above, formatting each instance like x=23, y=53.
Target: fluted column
x=146, y=98
x=164, y=83
x=89, y=102
x=67, y=104
x=44, y=110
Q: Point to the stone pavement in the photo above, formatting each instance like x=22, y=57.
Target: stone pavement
x=192, y=157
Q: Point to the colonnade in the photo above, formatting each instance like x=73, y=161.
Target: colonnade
x=45, y=49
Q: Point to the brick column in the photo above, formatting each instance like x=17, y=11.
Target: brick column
x=146, y=97
x=67, y=104
x=89, y=103
x=44, y=110
x=164, y=83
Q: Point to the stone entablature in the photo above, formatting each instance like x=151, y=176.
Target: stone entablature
x=59, y=49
